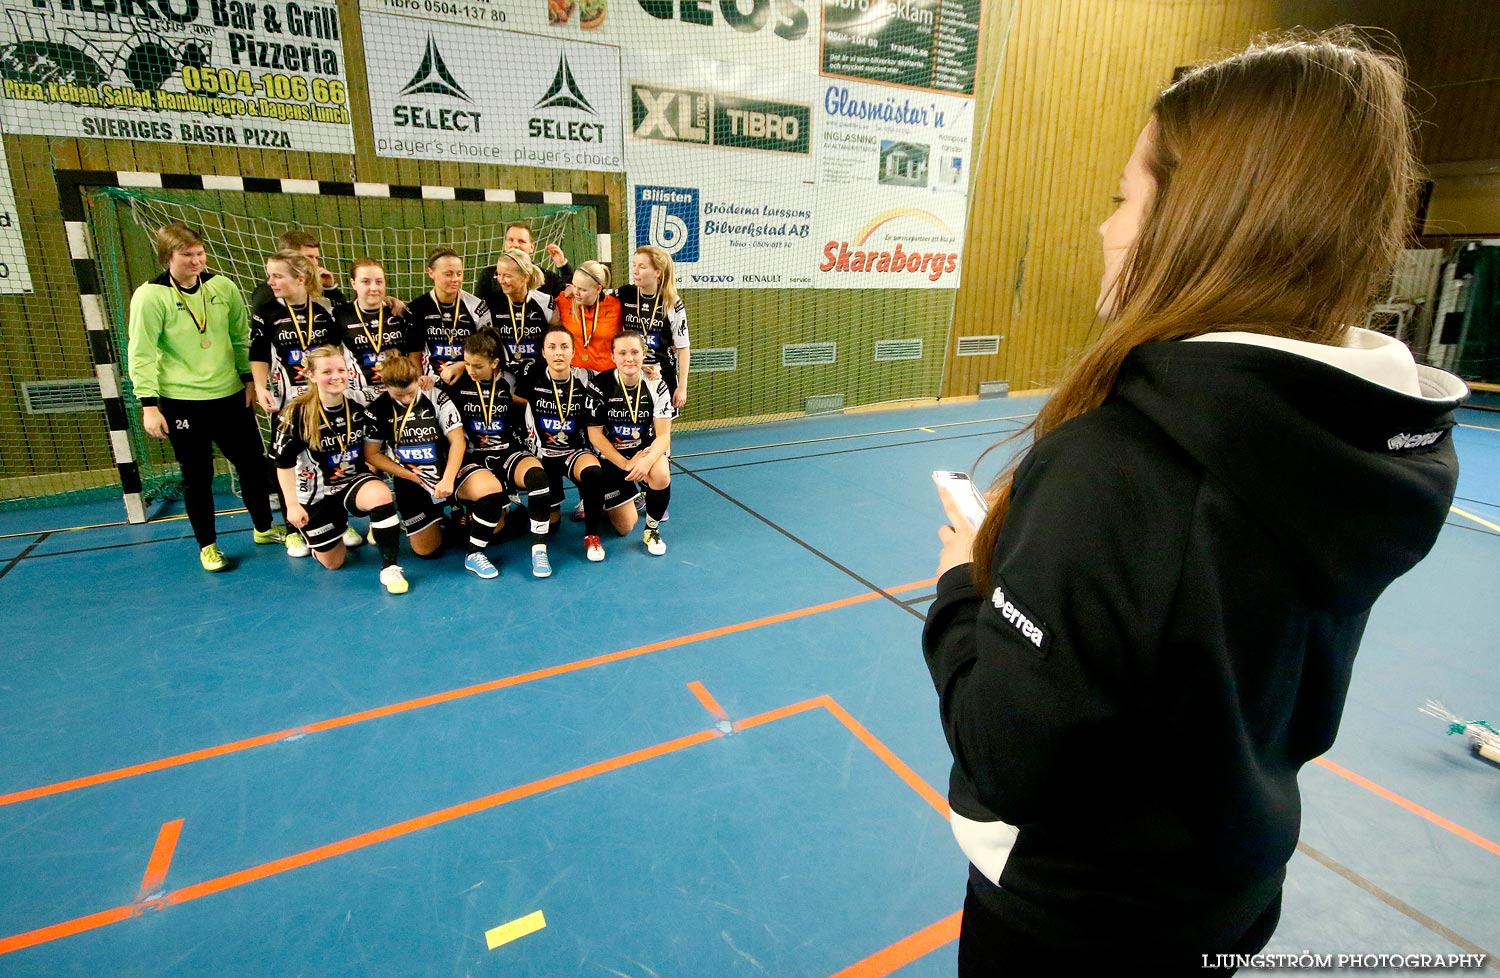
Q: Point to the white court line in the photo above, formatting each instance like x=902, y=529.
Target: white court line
x=862, y=434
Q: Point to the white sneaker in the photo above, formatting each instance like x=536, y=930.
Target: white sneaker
x=655, y=545
x=370, y=539
x=354, y=538
x=296, y=545
x=594, y=548
x=393, y=579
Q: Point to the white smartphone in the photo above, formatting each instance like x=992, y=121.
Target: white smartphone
x=963, y=492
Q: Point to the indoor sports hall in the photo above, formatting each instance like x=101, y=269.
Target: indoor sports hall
x=860, y=244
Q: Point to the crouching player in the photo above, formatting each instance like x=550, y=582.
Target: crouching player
x=483, y=397
x=318, y=459
x=630, y=427
x=417, y=438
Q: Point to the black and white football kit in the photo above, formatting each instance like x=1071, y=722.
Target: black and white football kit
x=628, y=416
x=665, y=330
x=557, y=415
x=415, y=436
x=442, y=327
x=521, y=325
x=367, y=337
x=330, y=470
x=485, y=409
x=281, y=334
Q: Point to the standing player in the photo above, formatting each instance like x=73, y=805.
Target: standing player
x=371, y=329
x=484, y=400
x=446, y=316
x=652, y=307
x=318, y=454
x=417, y=438
x=592, y=316
x=555, y=396
x=630, y=427
x=520, y=310
x=518, y=238
x=189, y=361
x=297, y=319
x=297, y=239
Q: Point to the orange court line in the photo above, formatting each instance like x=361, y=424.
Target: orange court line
x=912, y=778
x=1467, y=835
x=161, y=858
x=307, y=857
x=906, y=950
x=707, y=699
x=434, y=699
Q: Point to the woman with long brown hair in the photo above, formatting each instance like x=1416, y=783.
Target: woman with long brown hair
x=1154, y=627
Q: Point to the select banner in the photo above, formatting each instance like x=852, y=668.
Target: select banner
x=735, y=121
x=727, y=235
x=928, y=44
x=207, y=72
x=15, y=276
x=440, y=91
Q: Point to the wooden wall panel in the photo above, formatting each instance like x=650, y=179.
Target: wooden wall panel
x=1075, y=82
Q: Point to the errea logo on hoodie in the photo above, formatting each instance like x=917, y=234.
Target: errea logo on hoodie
x=1402, y=442
x=1018, y=618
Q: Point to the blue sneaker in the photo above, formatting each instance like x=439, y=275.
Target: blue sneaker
x=478, y=564
x=541, y=566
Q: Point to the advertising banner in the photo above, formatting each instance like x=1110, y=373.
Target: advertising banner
x=737, y=122
x=780, y=34
x=893, y=176
x=15, y=276
x=727, y=235
x=928, y=44
x=206, y=72
x=439, y=91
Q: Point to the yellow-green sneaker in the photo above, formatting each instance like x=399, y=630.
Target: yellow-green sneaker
x=276, y=534
x=212, y=558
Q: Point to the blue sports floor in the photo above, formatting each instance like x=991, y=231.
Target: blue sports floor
x=723, y=762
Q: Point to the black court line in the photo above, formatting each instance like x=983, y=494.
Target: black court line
x=847, y=451
x=1478, y=502
x=1397, y=904
x=108, y=546
x=24, y=554
x=1471, y=529
x=918, y=600
x=864, y=582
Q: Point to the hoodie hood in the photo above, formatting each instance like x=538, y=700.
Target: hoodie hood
x=1344, y=454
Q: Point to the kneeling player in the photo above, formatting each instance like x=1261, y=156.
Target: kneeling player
x=484, y=399
x=318, y=456
x=554, y=393
x=417, y=437
x=630, y=426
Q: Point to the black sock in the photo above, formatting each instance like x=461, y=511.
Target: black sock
x=538, y=503
x=656, y=503
x=484, y=514
x=591, y=488
x=387, y=528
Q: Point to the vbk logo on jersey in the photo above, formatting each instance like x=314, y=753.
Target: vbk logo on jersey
x=557, y=426
x=417, y=454
x=667, y=217
x=447, y=351
x=632, y=431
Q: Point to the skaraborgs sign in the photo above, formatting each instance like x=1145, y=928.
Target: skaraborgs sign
x=781, y=34
x=728, y=235
x=893, y=174
x=740, y=123
x=15, y=276
x=439, y=91
x=206, y=72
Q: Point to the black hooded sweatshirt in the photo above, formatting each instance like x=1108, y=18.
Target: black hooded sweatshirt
x=1179, y=591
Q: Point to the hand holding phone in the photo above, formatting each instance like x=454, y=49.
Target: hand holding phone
x=961, y=492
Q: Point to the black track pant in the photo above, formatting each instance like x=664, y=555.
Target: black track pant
x=194, y=428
